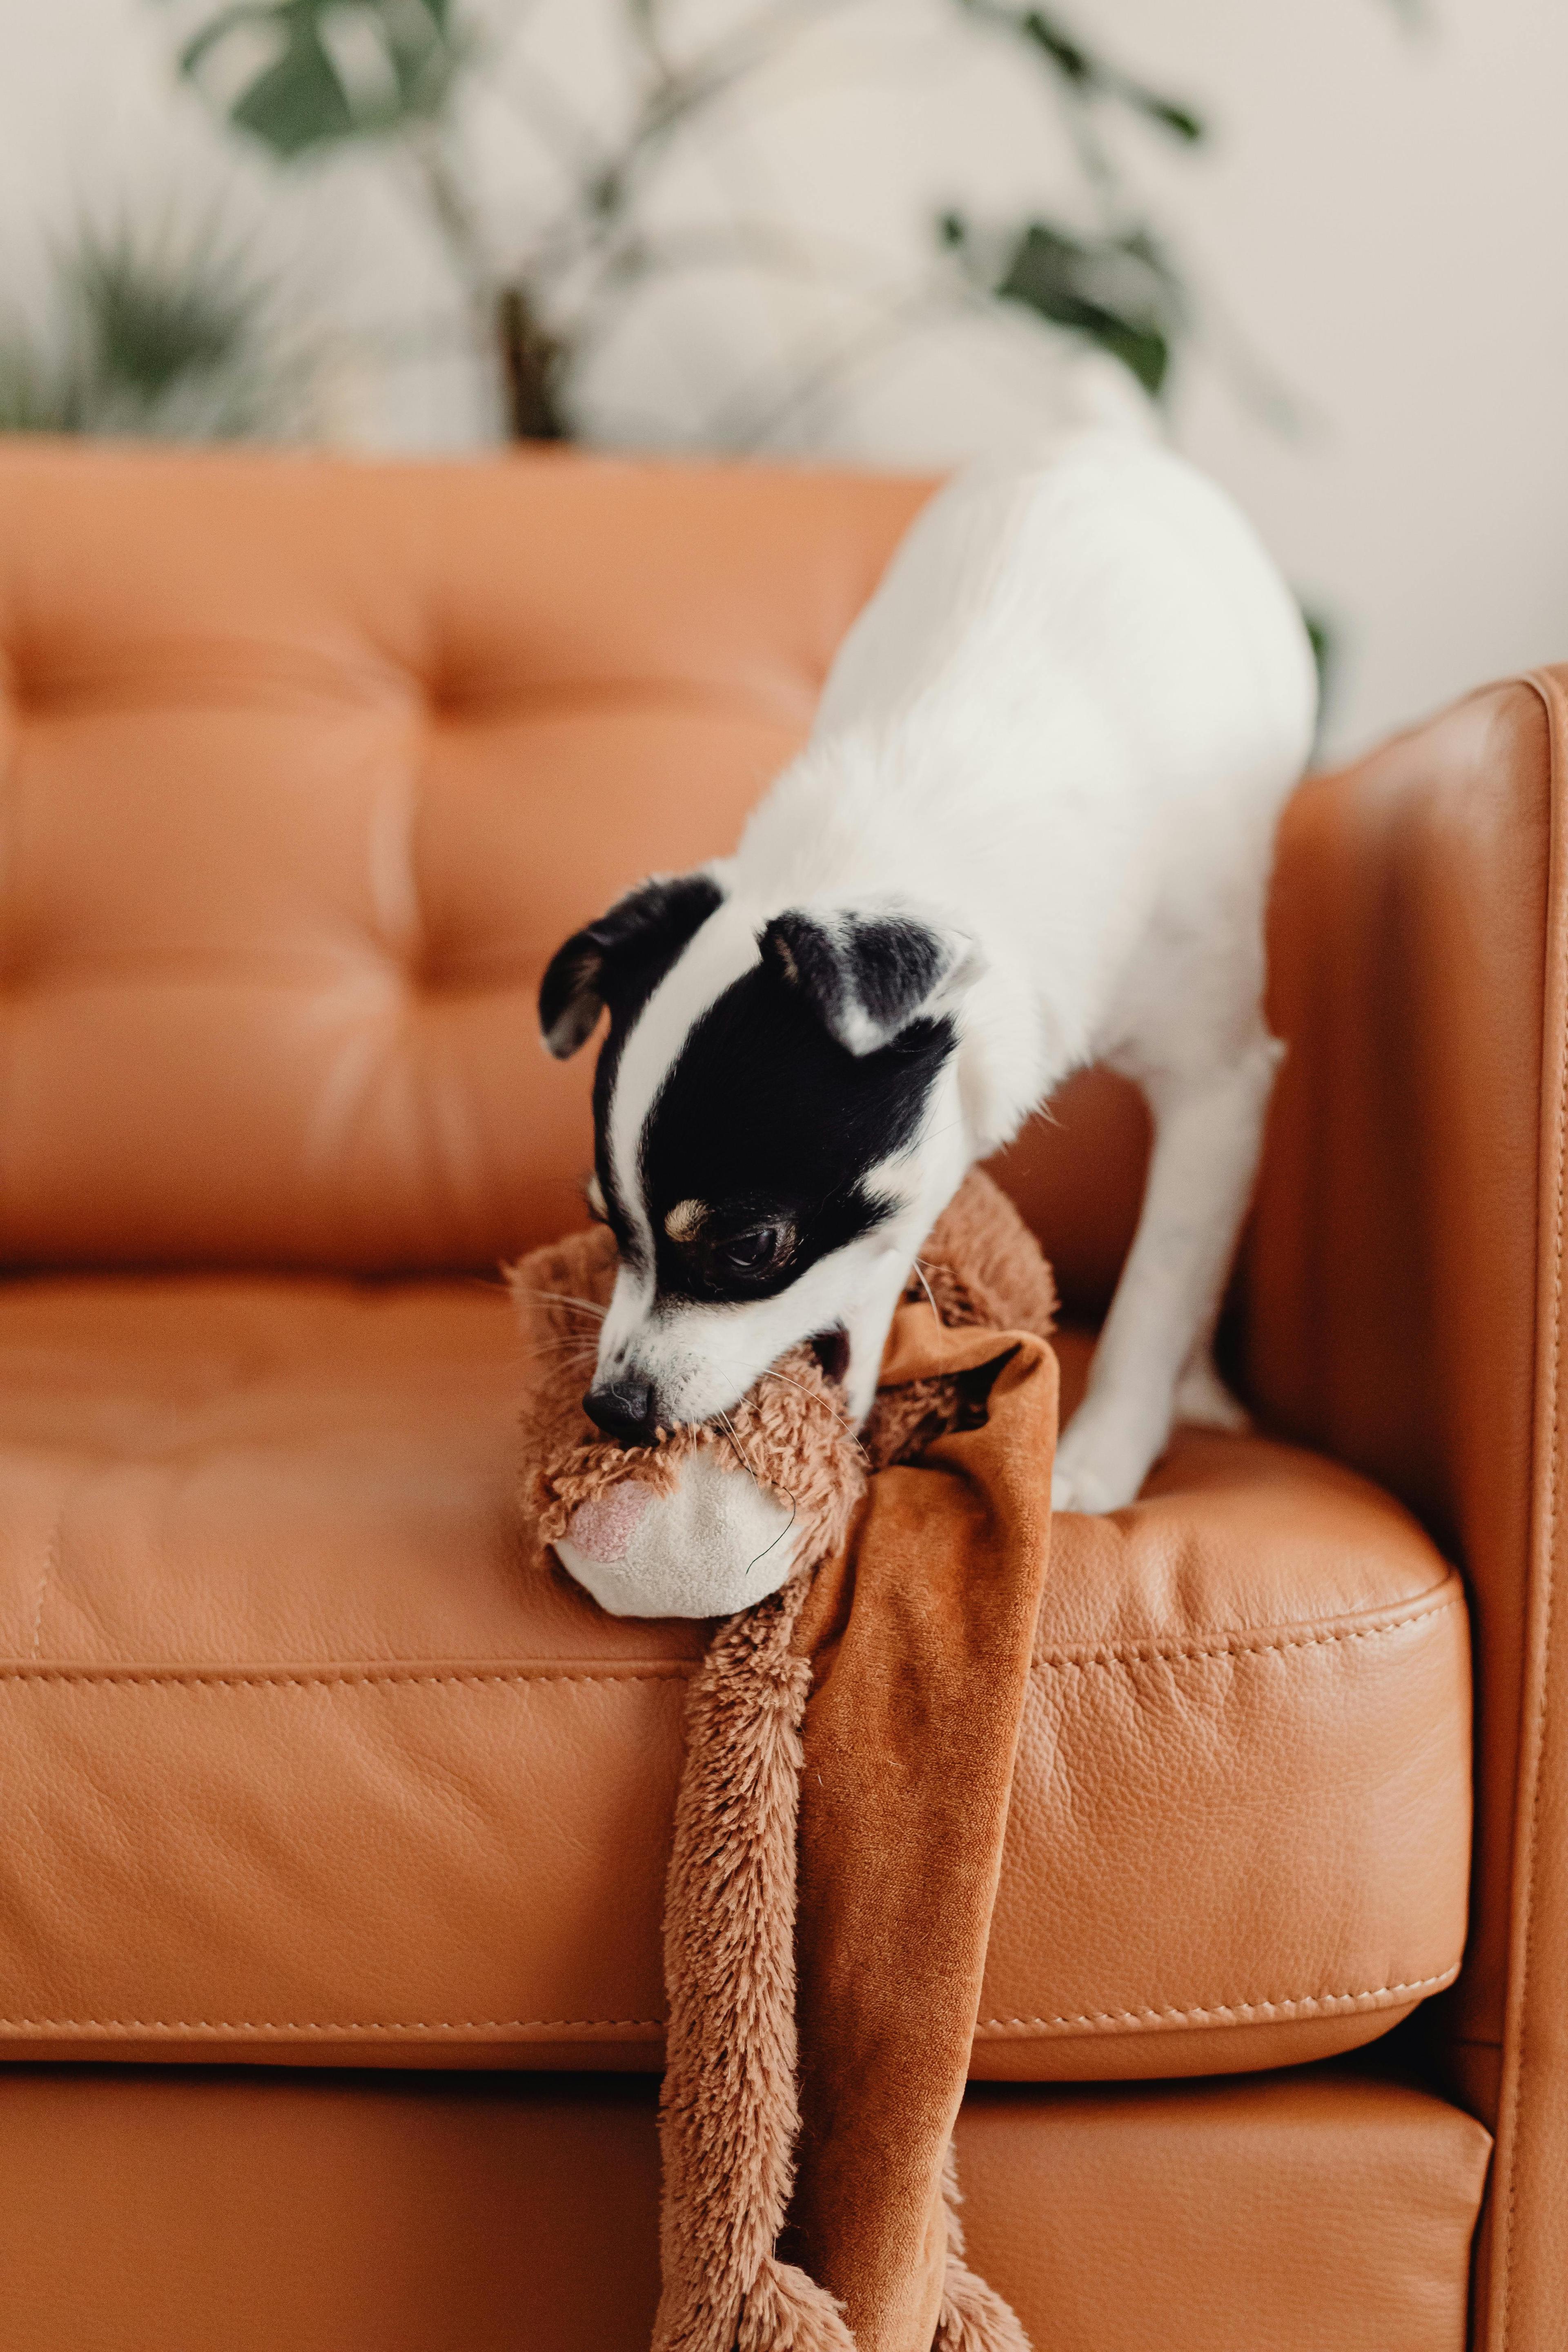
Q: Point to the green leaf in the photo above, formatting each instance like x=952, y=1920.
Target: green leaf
x=1144, y=350
x=1323, y=639
x=1072, y=60
x=1325, y=636
x=1086, y=74
x=297, y=99
x=296, y=103
x=1179, y=119
x=1118, y=293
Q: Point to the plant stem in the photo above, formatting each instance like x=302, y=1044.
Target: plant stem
x=528, y=359
x=531, y=364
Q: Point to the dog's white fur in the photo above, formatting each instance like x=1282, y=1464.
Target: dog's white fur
x=1062, y=729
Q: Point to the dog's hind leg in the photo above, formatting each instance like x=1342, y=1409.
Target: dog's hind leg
x=1207, y=1127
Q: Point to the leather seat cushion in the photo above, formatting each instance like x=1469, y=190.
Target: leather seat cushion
x=304, y=1757
x=171, y=2211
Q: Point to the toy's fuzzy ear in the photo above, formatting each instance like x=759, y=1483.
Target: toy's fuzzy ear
x=868, y=972
x=619, y=960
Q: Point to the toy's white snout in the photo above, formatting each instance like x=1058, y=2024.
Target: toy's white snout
x=718, y=1544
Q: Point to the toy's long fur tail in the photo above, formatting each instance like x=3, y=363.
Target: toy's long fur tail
x=728, y=2113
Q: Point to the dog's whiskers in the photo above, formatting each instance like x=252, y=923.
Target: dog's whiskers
x=729, y=1428
x=742, y=1456
x=925, y=1286
x=779, y=1537
x=560, y=1298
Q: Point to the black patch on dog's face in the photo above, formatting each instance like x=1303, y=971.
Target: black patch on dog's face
x=771, y=1126
x=617, y=962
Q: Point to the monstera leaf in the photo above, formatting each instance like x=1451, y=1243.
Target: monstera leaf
x=306, y=91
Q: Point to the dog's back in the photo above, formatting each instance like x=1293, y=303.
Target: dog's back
x=1071, y=713
x=1099, y=566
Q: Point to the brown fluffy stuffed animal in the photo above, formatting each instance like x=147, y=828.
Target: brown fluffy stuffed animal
x=878, y=1634
x=715, y=1518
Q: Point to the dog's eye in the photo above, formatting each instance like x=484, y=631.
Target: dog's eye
x=756, y=1252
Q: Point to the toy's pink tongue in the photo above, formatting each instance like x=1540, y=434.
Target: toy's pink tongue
x=604, y=1526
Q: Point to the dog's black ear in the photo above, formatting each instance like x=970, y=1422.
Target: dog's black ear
x=867, y=974
x=620, y=960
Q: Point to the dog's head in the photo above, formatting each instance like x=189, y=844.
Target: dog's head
x=776, y=1126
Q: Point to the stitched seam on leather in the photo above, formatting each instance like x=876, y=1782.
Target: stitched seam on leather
x=1273, y=2005
x=309, y=1677
x=1549, y=1543
x=327, y=1677
x=656, y=2024
x=356, y=2025
x=1153, y=1652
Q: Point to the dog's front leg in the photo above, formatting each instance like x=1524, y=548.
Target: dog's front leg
x=1207, y=1134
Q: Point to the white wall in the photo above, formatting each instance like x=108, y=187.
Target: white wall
x=1391, y=219
x=1386, y=217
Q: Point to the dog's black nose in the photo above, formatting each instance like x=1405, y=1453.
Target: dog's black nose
x=623, y=1409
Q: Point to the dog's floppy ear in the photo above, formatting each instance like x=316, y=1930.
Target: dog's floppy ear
x=619, y=959
x=867, y=974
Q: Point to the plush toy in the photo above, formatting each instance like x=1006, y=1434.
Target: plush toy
x=850, y=1745
x=715, y=1518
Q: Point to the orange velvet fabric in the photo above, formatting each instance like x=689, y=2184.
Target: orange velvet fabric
x=920, y=1633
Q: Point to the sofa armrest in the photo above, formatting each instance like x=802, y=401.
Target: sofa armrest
x=1403, y=1307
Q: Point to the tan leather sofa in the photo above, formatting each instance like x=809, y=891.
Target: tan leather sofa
x=333, y=1824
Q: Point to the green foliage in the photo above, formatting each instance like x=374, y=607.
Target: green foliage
x=303, y=76
x=1091, y=76
x=1117, y=291
x=144, y=334
x=302, y=96
x=1324, y=639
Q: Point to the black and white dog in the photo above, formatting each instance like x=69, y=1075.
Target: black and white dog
x=1032, y=829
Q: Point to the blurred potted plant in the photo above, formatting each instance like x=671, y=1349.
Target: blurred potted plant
x=306, y=77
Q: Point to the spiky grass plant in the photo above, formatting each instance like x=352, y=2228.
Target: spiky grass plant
x=145, y=328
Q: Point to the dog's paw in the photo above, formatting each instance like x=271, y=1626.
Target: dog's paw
x=1204, y=1402
x=1103, y=1457
x=1083, y=1487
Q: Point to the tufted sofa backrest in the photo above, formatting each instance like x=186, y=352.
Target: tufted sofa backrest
x=309, y=766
